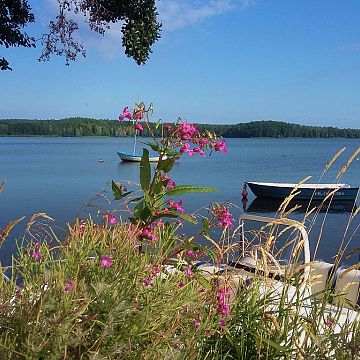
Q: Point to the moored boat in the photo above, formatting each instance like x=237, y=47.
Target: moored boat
x=126, y=157
x=304, y=191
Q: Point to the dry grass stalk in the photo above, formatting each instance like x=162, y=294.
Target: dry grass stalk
x=34, y=217
x=352, y=252
x=2, y=185
x=4, y=234
x=329, y=164
x=300, y=267
x=353, y=267
x=347, y=164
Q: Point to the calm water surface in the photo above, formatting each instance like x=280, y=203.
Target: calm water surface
x=62, y=177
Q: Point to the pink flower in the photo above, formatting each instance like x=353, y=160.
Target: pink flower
x=186, y=149
x=224, y=217
x=188, y=272
x=221, y=146
x=126, y=114
x=160, y=224
x=36, y=255
x=147, y=233
x=139, y=114
x=167, y=127
x=81, y=230
x=147, y=283
x=203, y=141
x=170, y=183
x=139, y=127
x=191, y=254
x=155, y=271
x=180, y=284
x=186, y=309
x=176, y=206
x=223, y=305
x=112, y=219
x=222, y=322
x=69, y=285
x=199, y=150
x=187, y=131
x=105, y=261
x=329, y=322
x=196, y=324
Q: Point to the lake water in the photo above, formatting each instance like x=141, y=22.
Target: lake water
x=62, y=177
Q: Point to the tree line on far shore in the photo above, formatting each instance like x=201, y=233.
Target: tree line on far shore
x=113, y=128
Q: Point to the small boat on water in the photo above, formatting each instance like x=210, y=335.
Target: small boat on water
x=305, y=191
x=126, y=157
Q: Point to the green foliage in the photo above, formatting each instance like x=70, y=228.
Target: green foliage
x=14, y=15
x=110, y=312
x=118, y=191
x=92, y=127
x=184, y=189
x=278, y=129
x=140, y=29
x=145, y=170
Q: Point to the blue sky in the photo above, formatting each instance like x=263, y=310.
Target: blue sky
x=218, y=61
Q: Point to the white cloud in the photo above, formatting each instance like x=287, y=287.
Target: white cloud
x=175, y=14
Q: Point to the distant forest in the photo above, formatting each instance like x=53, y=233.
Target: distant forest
x=113, y=128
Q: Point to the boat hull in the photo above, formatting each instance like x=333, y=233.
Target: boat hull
x=134, y=157
x=263, y=205
x=305, y=193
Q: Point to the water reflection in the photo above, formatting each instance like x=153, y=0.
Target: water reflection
x=267, y=205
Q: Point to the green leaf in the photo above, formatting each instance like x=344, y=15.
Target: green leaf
x=141, y=211
x=184, y=189
x=155, y=147
x=138, y=208
x=210, y=253
x=172, y=153
x=145, y=170
x=157, y=124
x=117, y=191
x=204, y=283
x=271, y=343
x=166, y=165
x=188, y=218
x=159, y=186
x=205, y=225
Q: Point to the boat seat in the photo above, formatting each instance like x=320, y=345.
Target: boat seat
x=320, y=275
x=347, y=287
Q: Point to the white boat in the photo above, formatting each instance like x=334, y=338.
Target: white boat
x=126, y=157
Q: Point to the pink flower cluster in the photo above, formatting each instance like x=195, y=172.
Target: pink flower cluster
x=137, y=115
x=111, y=219
x=221, y=146
x=106, y=261
x=155, y=271
x=176, y=205
x=170, y=183
x=126, y=114
x=36, y=255
x=187, y=133
x=138, y=127
x=224, y=218
x=69, y=285
x=223, y=304
x=147, y=232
